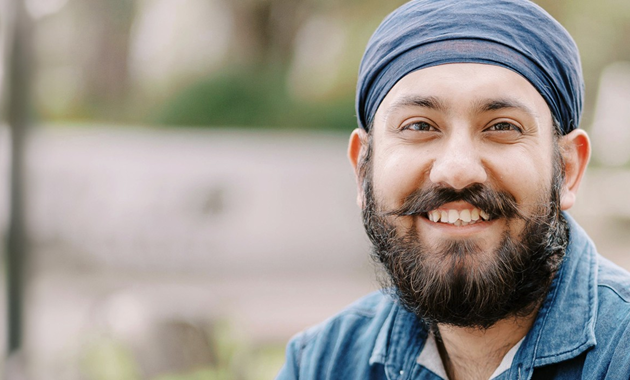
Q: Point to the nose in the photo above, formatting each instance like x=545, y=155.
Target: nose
x=459, y=164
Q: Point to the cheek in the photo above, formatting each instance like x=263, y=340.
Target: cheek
x=397, y=173
x=523, y=175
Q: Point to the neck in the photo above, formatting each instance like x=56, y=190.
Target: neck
x=471, y=353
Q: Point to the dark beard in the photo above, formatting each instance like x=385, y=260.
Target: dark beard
x=453, y=284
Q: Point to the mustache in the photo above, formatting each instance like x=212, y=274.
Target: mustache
x=498, y=204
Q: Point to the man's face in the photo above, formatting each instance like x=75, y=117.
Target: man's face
x=462, y=180
x=457, y=125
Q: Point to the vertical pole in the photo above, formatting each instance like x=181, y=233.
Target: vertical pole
x=17, y=110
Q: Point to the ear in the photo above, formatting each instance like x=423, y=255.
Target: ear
x=575, y=148
x=356, y=150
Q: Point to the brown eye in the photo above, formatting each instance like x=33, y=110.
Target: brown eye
x=504, y=127
x=420, y=126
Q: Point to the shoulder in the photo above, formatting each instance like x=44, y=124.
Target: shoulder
x=612, y=330
x=362, y=319
x=613, y=281
x=613, y=298
x=344, y=340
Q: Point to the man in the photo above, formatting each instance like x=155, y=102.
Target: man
x=467, y=155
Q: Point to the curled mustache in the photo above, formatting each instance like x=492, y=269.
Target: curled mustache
x=498, y=204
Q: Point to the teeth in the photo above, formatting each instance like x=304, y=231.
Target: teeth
x=436, y=215
x=453, y=215
x=474, y=215
x=465, y=216
x=443, y=216
x=457, y=218
x=484, y=215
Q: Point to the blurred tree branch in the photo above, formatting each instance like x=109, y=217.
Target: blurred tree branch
x=265, y=30
x=18, y=110
x=105, y=71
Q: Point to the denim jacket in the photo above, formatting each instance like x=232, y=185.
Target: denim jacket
x=582, y=331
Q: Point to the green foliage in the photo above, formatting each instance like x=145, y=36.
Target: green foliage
x=253, y=98
x=266, y=362
x=201, y=374
x=107, y=359
x=262, y=364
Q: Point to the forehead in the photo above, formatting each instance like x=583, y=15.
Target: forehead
x=464, y=89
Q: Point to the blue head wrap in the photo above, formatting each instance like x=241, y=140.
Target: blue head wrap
x=515, y=34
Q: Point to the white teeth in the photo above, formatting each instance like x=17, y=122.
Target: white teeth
x=474, y=215
x=436, y=215
x=457, y=218
x=484, y=215
x=432, y=216
x=443, y=216
x=464, y=215
x=453, y=215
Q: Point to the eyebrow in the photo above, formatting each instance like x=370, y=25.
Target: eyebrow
x=419, y=101
x=499, y=104
x=481, y=106
x=430, y=102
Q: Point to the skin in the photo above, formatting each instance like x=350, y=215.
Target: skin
x=457, y=125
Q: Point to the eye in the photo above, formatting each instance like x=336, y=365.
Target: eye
x=419, y=126
x=504, y=127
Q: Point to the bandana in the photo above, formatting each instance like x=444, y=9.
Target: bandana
x=514, y=34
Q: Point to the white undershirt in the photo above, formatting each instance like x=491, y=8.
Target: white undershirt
x=431, y=360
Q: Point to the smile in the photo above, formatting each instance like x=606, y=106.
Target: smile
x=458, y=218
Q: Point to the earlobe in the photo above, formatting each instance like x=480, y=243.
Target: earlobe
x=356, y=150
x=575, y=148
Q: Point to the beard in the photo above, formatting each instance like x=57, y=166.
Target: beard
x=454, y=281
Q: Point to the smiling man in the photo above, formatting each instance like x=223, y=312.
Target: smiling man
x=467, y=154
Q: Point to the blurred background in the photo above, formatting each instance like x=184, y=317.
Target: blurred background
x=177, y=202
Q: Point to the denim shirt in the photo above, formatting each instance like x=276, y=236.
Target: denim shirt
x=582, y=331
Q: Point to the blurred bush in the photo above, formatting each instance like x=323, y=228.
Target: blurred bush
x=234, y=358
x=264, y=63
x=248, y=97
